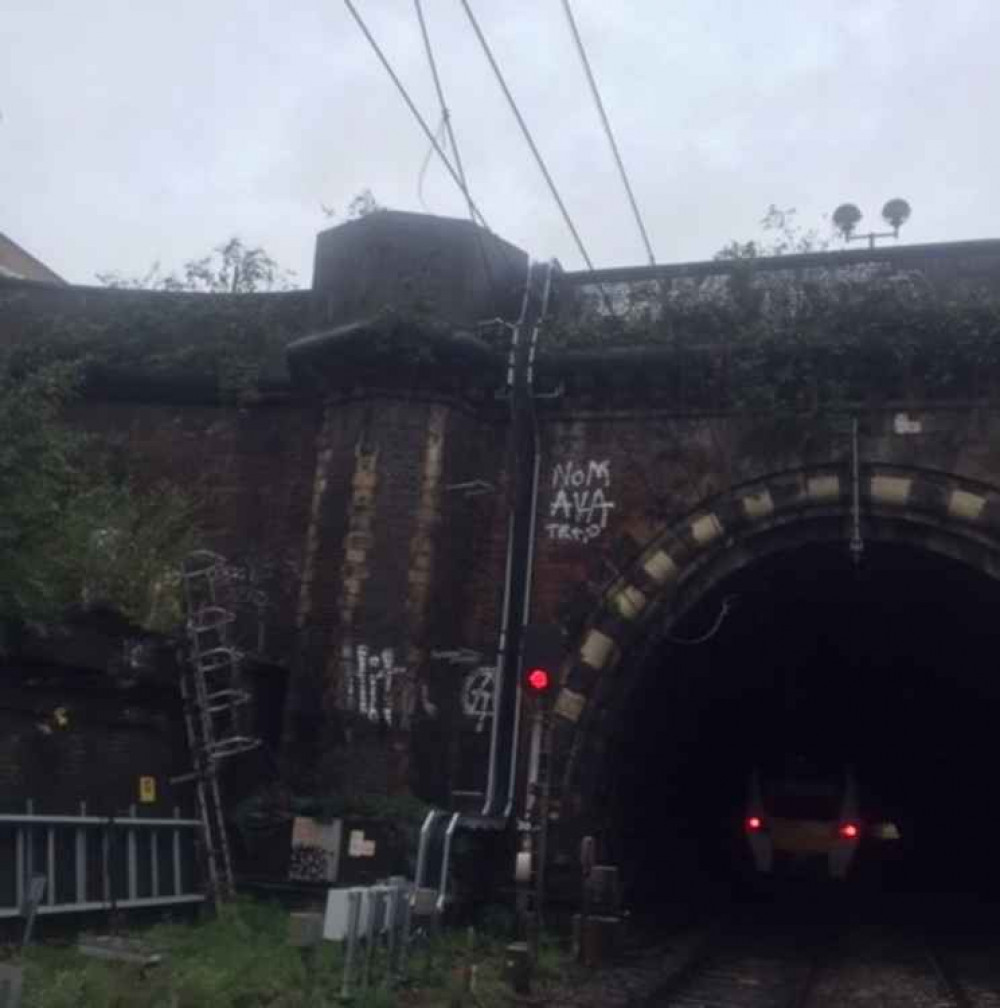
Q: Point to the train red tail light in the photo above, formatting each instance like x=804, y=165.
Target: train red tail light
x=754, y=824
x=849, y=831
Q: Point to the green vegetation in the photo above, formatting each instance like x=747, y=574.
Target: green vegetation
x=784, y=236
x=71, y=533
x=363, y=204
x=141, y=344
x=230, y=268
x=758, y=334
x=242, y=959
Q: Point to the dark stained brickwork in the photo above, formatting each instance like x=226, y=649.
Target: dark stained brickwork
x=338, y=493
x=63, y=743
x=247, y=472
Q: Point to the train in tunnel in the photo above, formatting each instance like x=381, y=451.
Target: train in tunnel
x=807, y=821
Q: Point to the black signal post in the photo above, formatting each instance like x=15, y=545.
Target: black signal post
x=542, y=656
x=522, y=465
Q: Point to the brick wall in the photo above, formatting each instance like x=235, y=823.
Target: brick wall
x=95, y=752
x=333, y=497
x=248, y=473
x=391, y=559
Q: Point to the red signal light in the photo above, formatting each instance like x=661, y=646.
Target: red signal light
x=539, y=679
x=754, y=824
x=849, y=831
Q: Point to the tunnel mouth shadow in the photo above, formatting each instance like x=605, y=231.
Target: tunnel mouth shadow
x=884, y=667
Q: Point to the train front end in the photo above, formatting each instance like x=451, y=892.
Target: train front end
x=803, y=826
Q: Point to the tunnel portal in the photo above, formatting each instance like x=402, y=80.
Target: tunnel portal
x=886, y=666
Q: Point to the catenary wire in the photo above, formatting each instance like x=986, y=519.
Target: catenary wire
x=416, y=112
x=527, y=134
x=607, y=129
x=450, y=134
x=445, y=114
x=425, y=164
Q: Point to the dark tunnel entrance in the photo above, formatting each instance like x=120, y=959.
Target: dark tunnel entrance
x=888, y=668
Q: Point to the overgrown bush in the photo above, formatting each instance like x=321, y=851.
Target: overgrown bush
x=71, y=533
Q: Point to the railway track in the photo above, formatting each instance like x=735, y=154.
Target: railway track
x=891, y=969
x=951, y=986
x=870, y=969
x=742, y=972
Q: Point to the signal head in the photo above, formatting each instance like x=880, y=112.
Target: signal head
x=543, y=652
x=538, y=680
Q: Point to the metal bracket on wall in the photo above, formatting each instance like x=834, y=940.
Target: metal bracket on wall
x=557, y=393
x=471, y=488
x=486, y=327
x=458, y=656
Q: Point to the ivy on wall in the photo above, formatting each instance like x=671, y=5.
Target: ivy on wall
x=72, y=534
x=798, y=338
x=229, y=346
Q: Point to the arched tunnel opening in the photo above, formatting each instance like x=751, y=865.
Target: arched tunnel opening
x=886, y=667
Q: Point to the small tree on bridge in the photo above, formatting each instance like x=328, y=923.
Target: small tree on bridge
x=230, y=268
x=784, y=237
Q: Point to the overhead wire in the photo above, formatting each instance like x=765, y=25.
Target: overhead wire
x=527, y=135
x=607, y=130
x=450, y=133
x=473, y=209
x=445, y=114
x=439, y=135
x=728, y=604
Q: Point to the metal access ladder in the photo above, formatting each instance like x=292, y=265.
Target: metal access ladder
x=429, y=895
x=212, y=697
x=434, y=856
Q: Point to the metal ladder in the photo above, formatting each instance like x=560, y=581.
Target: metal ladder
x=429, y=896
x=212, y=698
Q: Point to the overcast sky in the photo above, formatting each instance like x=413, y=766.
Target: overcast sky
x=135, y=131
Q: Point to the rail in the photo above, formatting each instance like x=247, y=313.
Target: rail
x=97, y=862
x=949, y=982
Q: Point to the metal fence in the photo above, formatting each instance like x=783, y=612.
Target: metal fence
x=93, y=862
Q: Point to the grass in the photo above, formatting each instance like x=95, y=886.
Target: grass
x=437, y=974
x=241, y=959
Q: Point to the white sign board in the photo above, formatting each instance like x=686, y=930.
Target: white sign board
x=315, y=855
x=359, y=846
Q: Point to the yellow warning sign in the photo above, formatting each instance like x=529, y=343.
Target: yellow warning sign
x=147, y=789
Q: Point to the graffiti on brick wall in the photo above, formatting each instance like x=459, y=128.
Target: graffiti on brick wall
x=478, y=695
x=370, y=681
x=245, y=581
x=580, y=503
x=137, y=654
x=250, y=588
x=379, y=688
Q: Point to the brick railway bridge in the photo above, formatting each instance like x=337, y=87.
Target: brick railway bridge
x=816, y=436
